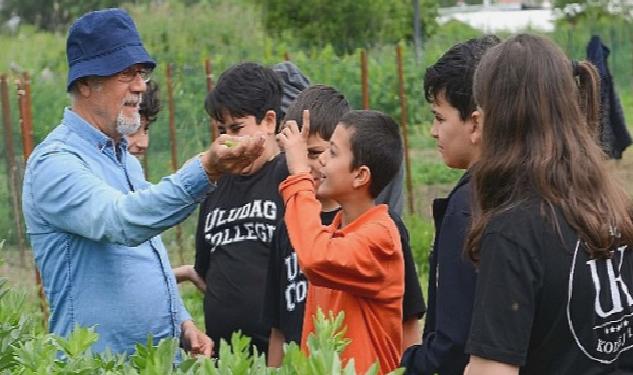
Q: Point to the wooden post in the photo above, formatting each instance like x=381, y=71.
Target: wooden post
x=26, y=125
x=174, y=156
x=286, y=56
x=208, y=70
x=26, y=115
x=12, y=175
x=404, y=115
x=364, y=78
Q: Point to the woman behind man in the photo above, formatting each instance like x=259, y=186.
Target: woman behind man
x=552, y=227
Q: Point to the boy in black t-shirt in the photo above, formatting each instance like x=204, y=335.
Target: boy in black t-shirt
x=451, y=290
x=237, y=221
x=287, y=287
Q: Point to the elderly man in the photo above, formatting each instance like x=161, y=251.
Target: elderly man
x=92, y=219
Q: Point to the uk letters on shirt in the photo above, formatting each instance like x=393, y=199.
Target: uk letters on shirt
x=603, y=330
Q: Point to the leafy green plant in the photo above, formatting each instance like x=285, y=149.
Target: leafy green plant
x=424, y=173
x=14, y=326
x=24, y=351
x=421, y=234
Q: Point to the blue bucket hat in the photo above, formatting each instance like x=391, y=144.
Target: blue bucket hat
x=103, y=43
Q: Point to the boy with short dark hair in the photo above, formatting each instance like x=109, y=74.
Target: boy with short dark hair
x=237, y=221
x=355, y=264
x=457, y=129
x=286, y=289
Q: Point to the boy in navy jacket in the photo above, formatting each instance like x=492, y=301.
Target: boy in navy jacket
x=457, y=130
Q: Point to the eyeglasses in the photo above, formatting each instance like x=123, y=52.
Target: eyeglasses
x=129, y=74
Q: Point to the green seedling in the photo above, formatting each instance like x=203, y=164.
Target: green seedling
x=230, y=143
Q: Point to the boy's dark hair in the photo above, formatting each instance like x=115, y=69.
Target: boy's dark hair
x=326, y=105
x=453, y=74
x=245, y=89
x=150, y=102
x=375, y=141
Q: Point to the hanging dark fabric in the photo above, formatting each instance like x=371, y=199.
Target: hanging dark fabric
x=614, y=136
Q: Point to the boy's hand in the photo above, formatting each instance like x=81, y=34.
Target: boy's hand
x=295, y=143
x=188, y=273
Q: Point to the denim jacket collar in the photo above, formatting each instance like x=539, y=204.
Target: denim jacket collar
x=91, y=134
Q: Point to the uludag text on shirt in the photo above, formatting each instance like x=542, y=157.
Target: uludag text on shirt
x=231, y=225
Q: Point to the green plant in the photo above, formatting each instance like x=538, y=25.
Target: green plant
x=421, y=235
x=25, y=351
x=424, y=173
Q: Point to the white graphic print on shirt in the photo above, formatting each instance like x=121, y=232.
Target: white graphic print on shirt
x=605, y=330
x=296, y=290
x=227, y=226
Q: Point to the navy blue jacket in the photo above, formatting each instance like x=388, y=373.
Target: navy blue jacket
x=614, y=135
x=452, y=280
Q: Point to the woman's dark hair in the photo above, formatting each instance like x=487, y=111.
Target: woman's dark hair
x=537, y=142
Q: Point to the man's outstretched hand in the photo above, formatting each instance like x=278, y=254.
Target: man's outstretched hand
x=231, y=155
x=195, y=341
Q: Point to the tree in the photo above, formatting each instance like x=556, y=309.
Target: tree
x=52, y=15
x=345, y=24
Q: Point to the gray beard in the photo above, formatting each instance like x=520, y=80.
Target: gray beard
x=127, y=126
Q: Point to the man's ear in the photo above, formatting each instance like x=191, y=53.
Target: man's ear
x=476, y=127
x=84, y=88
x=269, y=122
x=362, y=177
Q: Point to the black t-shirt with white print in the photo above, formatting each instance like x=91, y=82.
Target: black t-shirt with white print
x=235, y=229
x=287, y=286
x=543, y=304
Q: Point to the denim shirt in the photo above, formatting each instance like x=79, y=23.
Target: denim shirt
x=93, y=223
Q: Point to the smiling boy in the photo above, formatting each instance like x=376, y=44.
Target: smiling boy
x=354, y=265
x=286, y=288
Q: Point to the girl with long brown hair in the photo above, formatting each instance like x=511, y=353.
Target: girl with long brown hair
x=552, y=227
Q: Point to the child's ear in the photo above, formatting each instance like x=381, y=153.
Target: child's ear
x=269, y=122
x=476, y=121
x=362, y=178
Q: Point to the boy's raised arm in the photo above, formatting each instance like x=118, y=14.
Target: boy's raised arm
x=358, y=260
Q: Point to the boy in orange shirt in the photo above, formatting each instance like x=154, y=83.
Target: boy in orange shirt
x=355, y=264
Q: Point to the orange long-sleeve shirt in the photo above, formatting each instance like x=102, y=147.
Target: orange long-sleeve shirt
x=357, y=269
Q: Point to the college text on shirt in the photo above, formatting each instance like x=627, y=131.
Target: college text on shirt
x=244, y=223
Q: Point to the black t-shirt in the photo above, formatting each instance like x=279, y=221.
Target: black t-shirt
x=543, y=304
x=235, y=229
x=287, y=286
